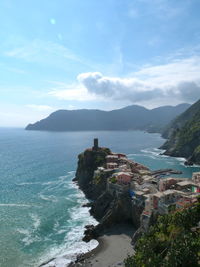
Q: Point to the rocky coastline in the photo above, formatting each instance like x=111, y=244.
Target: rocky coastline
x=113, y=205
x=126, y=198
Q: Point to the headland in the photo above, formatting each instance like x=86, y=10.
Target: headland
x=126, y=195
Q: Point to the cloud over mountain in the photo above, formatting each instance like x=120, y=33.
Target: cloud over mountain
x=179, y=79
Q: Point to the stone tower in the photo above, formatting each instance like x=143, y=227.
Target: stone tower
x=96, y=144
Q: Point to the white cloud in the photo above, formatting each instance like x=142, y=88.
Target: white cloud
x=178, y=80
x=41, y=51
x=71, y=92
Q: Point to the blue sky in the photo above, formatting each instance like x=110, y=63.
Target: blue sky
x=72, y=54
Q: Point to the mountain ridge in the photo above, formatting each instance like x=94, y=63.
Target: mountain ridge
x=132, y=117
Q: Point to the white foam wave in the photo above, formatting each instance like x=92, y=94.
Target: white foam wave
x=29, y=235
x=180, y=159
x=68, y=252
x=73, y=244
x=188, y=166
x=71, y=172
x=36, y=220
x=29, y=183
x=48, y=197
x=14, y=205
x=153, y=151
x=27, y=240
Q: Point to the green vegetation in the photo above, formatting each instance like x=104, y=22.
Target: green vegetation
x=113, y=180
x=184, y=139
x=173, y=241
x=97, y=179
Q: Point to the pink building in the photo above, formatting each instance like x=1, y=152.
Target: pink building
x=124, y=177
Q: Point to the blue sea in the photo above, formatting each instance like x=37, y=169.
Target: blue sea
x=41, y=213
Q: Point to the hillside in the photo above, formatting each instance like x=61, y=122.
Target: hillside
x=172, y=241
x=128, y=118
x=184, y=135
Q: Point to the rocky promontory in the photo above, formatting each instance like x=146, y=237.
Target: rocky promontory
x=110, y=201
x=124, y=192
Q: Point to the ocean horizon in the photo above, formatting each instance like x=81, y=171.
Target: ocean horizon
x=41, y=208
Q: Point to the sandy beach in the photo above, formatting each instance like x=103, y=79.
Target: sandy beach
x=114, y=246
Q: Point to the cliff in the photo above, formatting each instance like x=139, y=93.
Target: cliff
x=121, y=119
x=184, y=135
x=107, y=207
x=88, y=162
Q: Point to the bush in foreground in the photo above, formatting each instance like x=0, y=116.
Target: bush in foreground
x=173, y=241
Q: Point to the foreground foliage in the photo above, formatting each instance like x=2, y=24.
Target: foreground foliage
x=173, y=241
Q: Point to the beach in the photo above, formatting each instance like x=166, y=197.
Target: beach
x=113, y=248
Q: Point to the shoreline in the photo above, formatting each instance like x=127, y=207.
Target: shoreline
x=114, y=246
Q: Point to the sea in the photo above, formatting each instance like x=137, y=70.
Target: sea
x=41, y=213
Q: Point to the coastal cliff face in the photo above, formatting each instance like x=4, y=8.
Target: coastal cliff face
x=107, y=208
x=184, y=136
x=88, y=162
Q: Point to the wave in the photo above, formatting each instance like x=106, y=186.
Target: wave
x=14, y=205
x=57, y=181
x=190, y=166
x=29, y=183
x=36, y=220
x=153, y=151
x=48, y=197
x=29, y=235
x=73, y=244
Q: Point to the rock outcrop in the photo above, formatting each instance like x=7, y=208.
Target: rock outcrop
x=88, y=162
x=184, y=136
x=107, y=208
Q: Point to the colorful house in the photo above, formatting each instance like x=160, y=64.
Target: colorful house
x=124, y=177
x=186, y=186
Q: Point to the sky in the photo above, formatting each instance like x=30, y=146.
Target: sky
x=74, y=54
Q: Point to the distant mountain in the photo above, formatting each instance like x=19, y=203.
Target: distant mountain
x=128, y=118
x=184, y=135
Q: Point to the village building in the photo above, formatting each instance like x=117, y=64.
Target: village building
x=186, y=186
x=167, y=183
x=120, y=155
x=148, y=192
x=112, y=159
x=124, y=177
x=196, y=178
x=111, y=165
